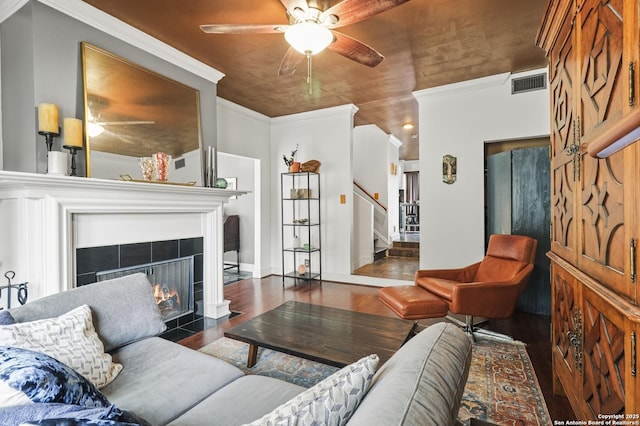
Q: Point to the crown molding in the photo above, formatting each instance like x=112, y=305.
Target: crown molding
x=393, y=140
x=315, y=114
x=465, y=86
x=108, y=24
x=232, y=106
x=9, y=7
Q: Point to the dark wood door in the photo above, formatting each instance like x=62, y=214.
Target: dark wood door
x=518, y=202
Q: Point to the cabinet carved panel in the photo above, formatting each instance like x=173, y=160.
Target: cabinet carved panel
x=604, y=362
x=564, y=320
x=563, y=136
x=601, y=33
x=603, y=244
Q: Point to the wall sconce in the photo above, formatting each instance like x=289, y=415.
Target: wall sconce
x=449, y=169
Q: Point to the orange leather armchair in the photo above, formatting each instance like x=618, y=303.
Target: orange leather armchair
x=489, y=288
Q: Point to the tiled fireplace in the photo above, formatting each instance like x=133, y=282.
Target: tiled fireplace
x=62, y=230
x=174, y=267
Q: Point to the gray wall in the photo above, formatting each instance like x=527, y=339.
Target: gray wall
x=41, y=62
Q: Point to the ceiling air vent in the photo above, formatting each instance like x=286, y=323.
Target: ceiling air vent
x=529, y=83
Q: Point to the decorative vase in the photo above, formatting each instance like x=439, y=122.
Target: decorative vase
x=295, y=242
x=147, y=167
x=162, y=161
x=294, y=167
x=221, y=183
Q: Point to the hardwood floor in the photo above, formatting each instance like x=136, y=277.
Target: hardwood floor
x=255, y=296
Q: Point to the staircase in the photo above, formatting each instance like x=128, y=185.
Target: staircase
x=405, y=249
x=379, y=251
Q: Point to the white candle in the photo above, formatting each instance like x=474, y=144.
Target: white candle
x=48, y=118
x=72, y=132
x=57, y=162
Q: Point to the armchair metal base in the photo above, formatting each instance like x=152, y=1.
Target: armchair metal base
x=471, y=328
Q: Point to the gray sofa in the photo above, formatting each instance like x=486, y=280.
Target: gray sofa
x=168, y=384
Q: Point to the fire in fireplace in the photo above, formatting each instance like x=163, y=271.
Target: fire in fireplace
x=172, y=283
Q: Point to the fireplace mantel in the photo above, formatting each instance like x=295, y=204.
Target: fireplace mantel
x=43, y=219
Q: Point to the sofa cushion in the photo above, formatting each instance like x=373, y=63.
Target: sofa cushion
x=69, y=338
x=262, y=393
x=28, y=377
x=330, y=402
x=124, y=309
x=422, y=383
x=161, y=380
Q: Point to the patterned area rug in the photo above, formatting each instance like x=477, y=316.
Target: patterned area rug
x=270, y=363
x=502, y=387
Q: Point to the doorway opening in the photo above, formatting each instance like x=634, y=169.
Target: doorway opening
x=517, y=201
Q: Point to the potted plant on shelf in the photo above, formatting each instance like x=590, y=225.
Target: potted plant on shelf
x=292, y=164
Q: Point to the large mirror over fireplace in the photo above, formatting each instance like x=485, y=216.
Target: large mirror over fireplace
x=132, y=112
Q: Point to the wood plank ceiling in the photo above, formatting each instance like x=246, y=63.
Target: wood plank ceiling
x=426, y=43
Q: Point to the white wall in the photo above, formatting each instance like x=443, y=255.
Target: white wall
x=393, y=184
x=362, y=243
x=457, y=119
x=247, y=133
x=245, y=170
x=373, y=153
x=371, y=160
x=324, y=135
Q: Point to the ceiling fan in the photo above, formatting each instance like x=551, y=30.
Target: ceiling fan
x=311, y=30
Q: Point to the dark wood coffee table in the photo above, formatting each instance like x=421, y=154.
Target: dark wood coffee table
x=332, y=336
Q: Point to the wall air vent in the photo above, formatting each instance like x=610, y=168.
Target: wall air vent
x=529, y=83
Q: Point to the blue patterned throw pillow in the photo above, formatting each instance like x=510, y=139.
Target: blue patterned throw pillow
x=32, y=377
x=6, y=318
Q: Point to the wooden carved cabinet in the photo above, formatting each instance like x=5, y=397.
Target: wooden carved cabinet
x=594, y=344
x=592, y=46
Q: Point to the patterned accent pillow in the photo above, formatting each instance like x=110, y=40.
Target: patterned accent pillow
x=6, y=318
x=69, y=338
x=28, y=377
x=331, y=402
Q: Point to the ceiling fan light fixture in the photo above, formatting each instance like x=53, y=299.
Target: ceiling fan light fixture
x=308, y=37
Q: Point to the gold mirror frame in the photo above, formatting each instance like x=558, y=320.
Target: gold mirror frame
x=139, y=112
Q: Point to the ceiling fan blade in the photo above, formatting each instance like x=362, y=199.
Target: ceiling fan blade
x=355, y=50
x=292, y=5
x=290, y=62
x=243, y=28
x=352, y=11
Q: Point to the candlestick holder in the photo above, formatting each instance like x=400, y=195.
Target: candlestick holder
x=48, y=138
x=73, y=150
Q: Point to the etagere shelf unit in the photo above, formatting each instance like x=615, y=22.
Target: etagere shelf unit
x=301, y=226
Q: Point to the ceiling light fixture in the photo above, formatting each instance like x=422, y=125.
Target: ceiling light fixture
x=407, y=125
x=308, y=37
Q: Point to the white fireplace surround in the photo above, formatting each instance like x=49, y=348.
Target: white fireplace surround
x=44, y=219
